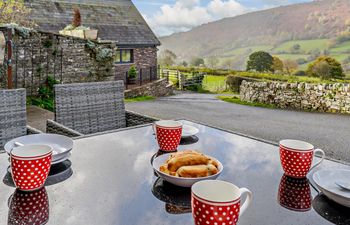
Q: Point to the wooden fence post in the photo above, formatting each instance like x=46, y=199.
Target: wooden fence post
x=178, y=78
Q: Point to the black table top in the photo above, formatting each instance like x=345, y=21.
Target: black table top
x=113, y=183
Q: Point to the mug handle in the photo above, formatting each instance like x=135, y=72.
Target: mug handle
x=322, y=158
x=154, y=130
x=247, y=201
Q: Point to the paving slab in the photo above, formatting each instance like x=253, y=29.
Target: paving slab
x=36, y=117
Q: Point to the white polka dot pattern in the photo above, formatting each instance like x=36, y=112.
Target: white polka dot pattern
x=29, y=208
x=296, y=163
x=29, y=175
x=168, y=138
x=205, y=213
x=295, y=194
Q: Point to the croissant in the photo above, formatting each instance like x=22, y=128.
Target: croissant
x=189, y=159
x=197, y=171
x=182, y=153
x=190, y=164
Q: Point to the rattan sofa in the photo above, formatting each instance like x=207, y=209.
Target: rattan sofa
x=88, y=108
x=13, y=117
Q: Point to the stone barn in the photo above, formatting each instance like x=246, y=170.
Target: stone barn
x=116, y=20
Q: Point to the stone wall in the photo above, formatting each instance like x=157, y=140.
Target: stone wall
x=157, y=89
x=37, y=55
x=145, y=59
x=333, y=98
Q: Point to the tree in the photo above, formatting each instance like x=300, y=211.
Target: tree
x=212, y=61
x=14, y=11
x=295, y=48
x=227, y=64
x=184, y=63
x=132, y=72
x=336, y=70
x=196, y=61
x=323, y=70
x=277, y=64
x=315, y=53
x=290, y=66
x=260, y=61
x=167, y=58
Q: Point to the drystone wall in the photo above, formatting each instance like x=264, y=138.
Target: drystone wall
x=156, y=89
x=37, y=55
x=333, y=98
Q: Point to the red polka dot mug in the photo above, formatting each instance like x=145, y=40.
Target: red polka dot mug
x=30, y=165
x=295, y=194
x=216, y=202
x=297, y=156
x=168, y=134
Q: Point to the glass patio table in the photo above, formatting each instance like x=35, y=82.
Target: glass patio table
x=113, y=183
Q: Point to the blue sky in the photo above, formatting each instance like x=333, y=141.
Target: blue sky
x=169, y=16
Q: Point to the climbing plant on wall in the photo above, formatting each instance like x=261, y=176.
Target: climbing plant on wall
x=104, y=56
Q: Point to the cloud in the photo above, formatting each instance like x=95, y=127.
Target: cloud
x=186, y=14
x=219, y=8
x=188, y=3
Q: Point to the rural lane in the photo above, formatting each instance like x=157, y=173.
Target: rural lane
x=329, y=132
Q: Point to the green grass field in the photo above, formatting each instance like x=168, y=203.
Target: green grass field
x=240, y=55
x=241, y=51
x=342, y=48
x=305, y=45
x=291, y=56
x=215, y=84
x=340, y=57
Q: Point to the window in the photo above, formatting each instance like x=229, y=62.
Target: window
x=124, y=56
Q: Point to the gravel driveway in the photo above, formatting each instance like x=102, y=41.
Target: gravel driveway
x=327, y=131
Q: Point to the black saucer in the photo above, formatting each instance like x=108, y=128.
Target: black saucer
x=189, y=140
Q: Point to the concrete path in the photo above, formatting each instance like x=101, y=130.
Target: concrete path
x=36, y=117
x=327, y=131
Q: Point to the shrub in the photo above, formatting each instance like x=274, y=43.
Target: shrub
x=335, y=68
x=290, y=66
x=277, y=65
x=300, y=73
x=323, y=70
x=76, y=22
x=196, y=61
x=45, y=97
x=132, y=72
x=301, y=61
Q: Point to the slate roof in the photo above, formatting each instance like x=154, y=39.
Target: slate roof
x=117, y=20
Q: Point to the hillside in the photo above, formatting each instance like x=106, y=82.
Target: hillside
x=273, y=30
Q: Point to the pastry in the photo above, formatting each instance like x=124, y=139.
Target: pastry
x=197, y=171
x=190, y=164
